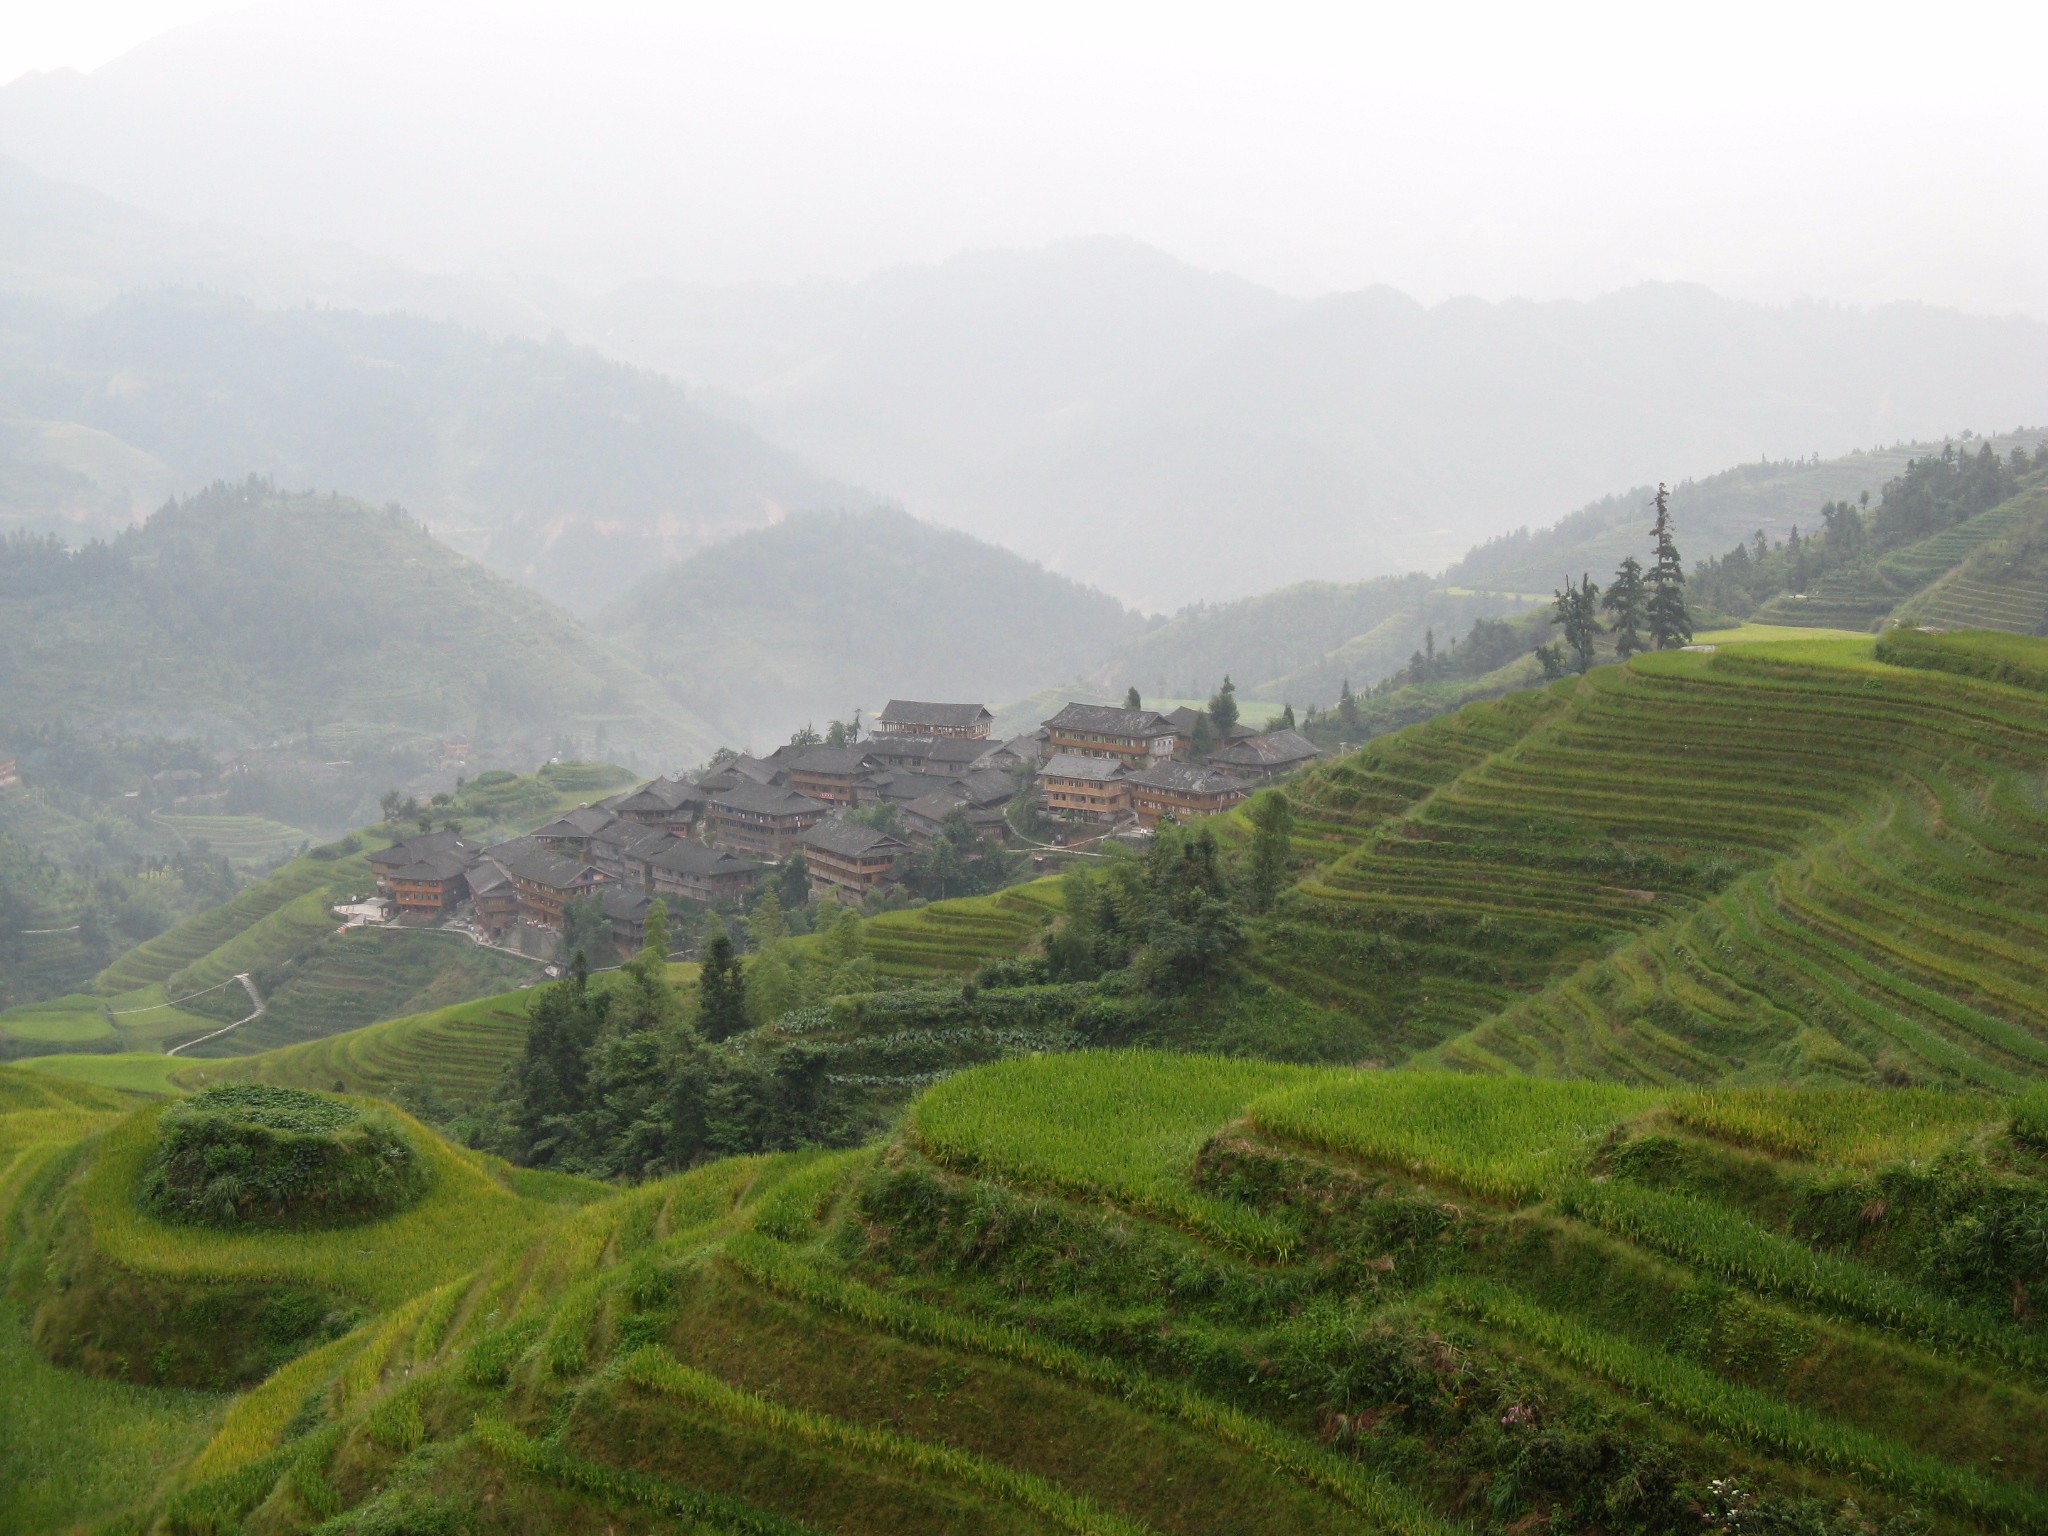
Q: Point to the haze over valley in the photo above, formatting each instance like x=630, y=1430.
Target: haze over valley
x=1132, y=771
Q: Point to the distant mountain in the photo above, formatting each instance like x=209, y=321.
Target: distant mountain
x=545, y=460
x=1175, y=435
x=241, y=615
x=825, y=613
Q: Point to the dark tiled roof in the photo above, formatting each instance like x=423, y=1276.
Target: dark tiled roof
x=850, y=840
x=768, y=800
x=959, y=751
x=485, y=876
x=987, y=786
x=759, y=770
x=688, y=857
x=581, y=822
x=1072, y=765
x=913, y=714
x=537, y=866
x=424, y=846
x=936, y=806
x=1188, y=779
x=660, y=795
x=435, y=866
x=1102, y=720
x=619, y=902
x=831, y=760
x=1184, y=719
x=903, y=784
x=1275, y=749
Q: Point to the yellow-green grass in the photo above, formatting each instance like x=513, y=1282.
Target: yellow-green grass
x=137, y=1071
x=148, y=1016
x=459, y=1052
x=467, y=1216
x=954, y=937
x=75, y=1020
x=1848, y=1126
x=1506, y=1139
x=190, y=941
x=1120, y=1124
x=1775, y=634
x=73, y=1448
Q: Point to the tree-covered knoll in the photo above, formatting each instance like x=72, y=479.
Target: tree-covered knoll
x=246, y=614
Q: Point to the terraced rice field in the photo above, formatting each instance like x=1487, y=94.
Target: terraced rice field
x=244, y=840
x=1692, y=868
x=1116, y=1292
x=1859, y=599
x=461, y=1052
x=954, y=937
x=176, y=949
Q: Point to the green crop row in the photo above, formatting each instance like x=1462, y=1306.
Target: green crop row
x=1372, y=1496
x=1750, y=1416
x=655, y=1370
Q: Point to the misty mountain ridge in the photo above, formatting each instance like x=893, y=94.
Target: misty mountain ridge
x=826, y=613
x=545, y=460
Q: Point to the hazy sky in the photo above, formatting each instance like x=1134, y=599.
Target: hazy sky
x=1854, y=153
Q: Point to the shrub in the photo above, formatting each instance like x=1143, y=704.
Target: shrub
x=2030, y=1115
x=252, y=1155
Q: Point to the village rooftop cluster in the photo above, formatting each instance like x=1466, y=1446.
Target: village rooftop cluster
x=1092, y=770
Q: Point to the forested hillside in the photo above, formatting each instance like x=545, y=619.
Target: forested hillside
x=245, y=613
x=823, y=614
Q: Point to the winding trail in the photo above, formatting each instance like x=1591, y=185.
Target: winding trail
x=255, y=997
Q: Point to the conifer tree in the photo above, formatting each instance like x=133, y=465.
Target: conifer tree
x=1223, y=706
x=1670, y=623
x=721, y=990
x=1624, y=600
x=1575, y=610
x=1131, y=699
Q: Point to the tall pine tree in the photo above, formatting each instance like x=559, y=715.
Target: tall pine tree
x=1670, y=623
x=1624, y=600
x=1575, y=611
x=721, y=990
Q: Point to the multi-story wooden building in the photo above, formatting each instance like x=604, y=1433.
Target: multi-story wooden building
x=834, y=775
x=547, y=883
x=430, y=886
x=493, y=898
x=386, y=862
x=1133, y=736
x=1073, y=787
x=840, y=856
x=674, y=805
x=696, y=872
x=911, y=717
x=763, y=821
x=569, y=834
x=1183, y=791
x=622, y=852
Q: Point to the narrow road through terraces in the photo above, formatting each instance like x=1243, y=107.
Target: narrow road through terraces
x=255, y=998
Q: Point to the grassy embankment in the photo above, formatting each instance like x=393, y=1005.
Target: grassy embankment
x=1117, y=1292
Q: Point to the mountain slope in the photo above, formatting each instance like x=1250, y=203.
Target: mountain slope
x=1110, y=1293
x=826, y=613
x=544, y=460
x=1779, y=860
x=244, y=613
